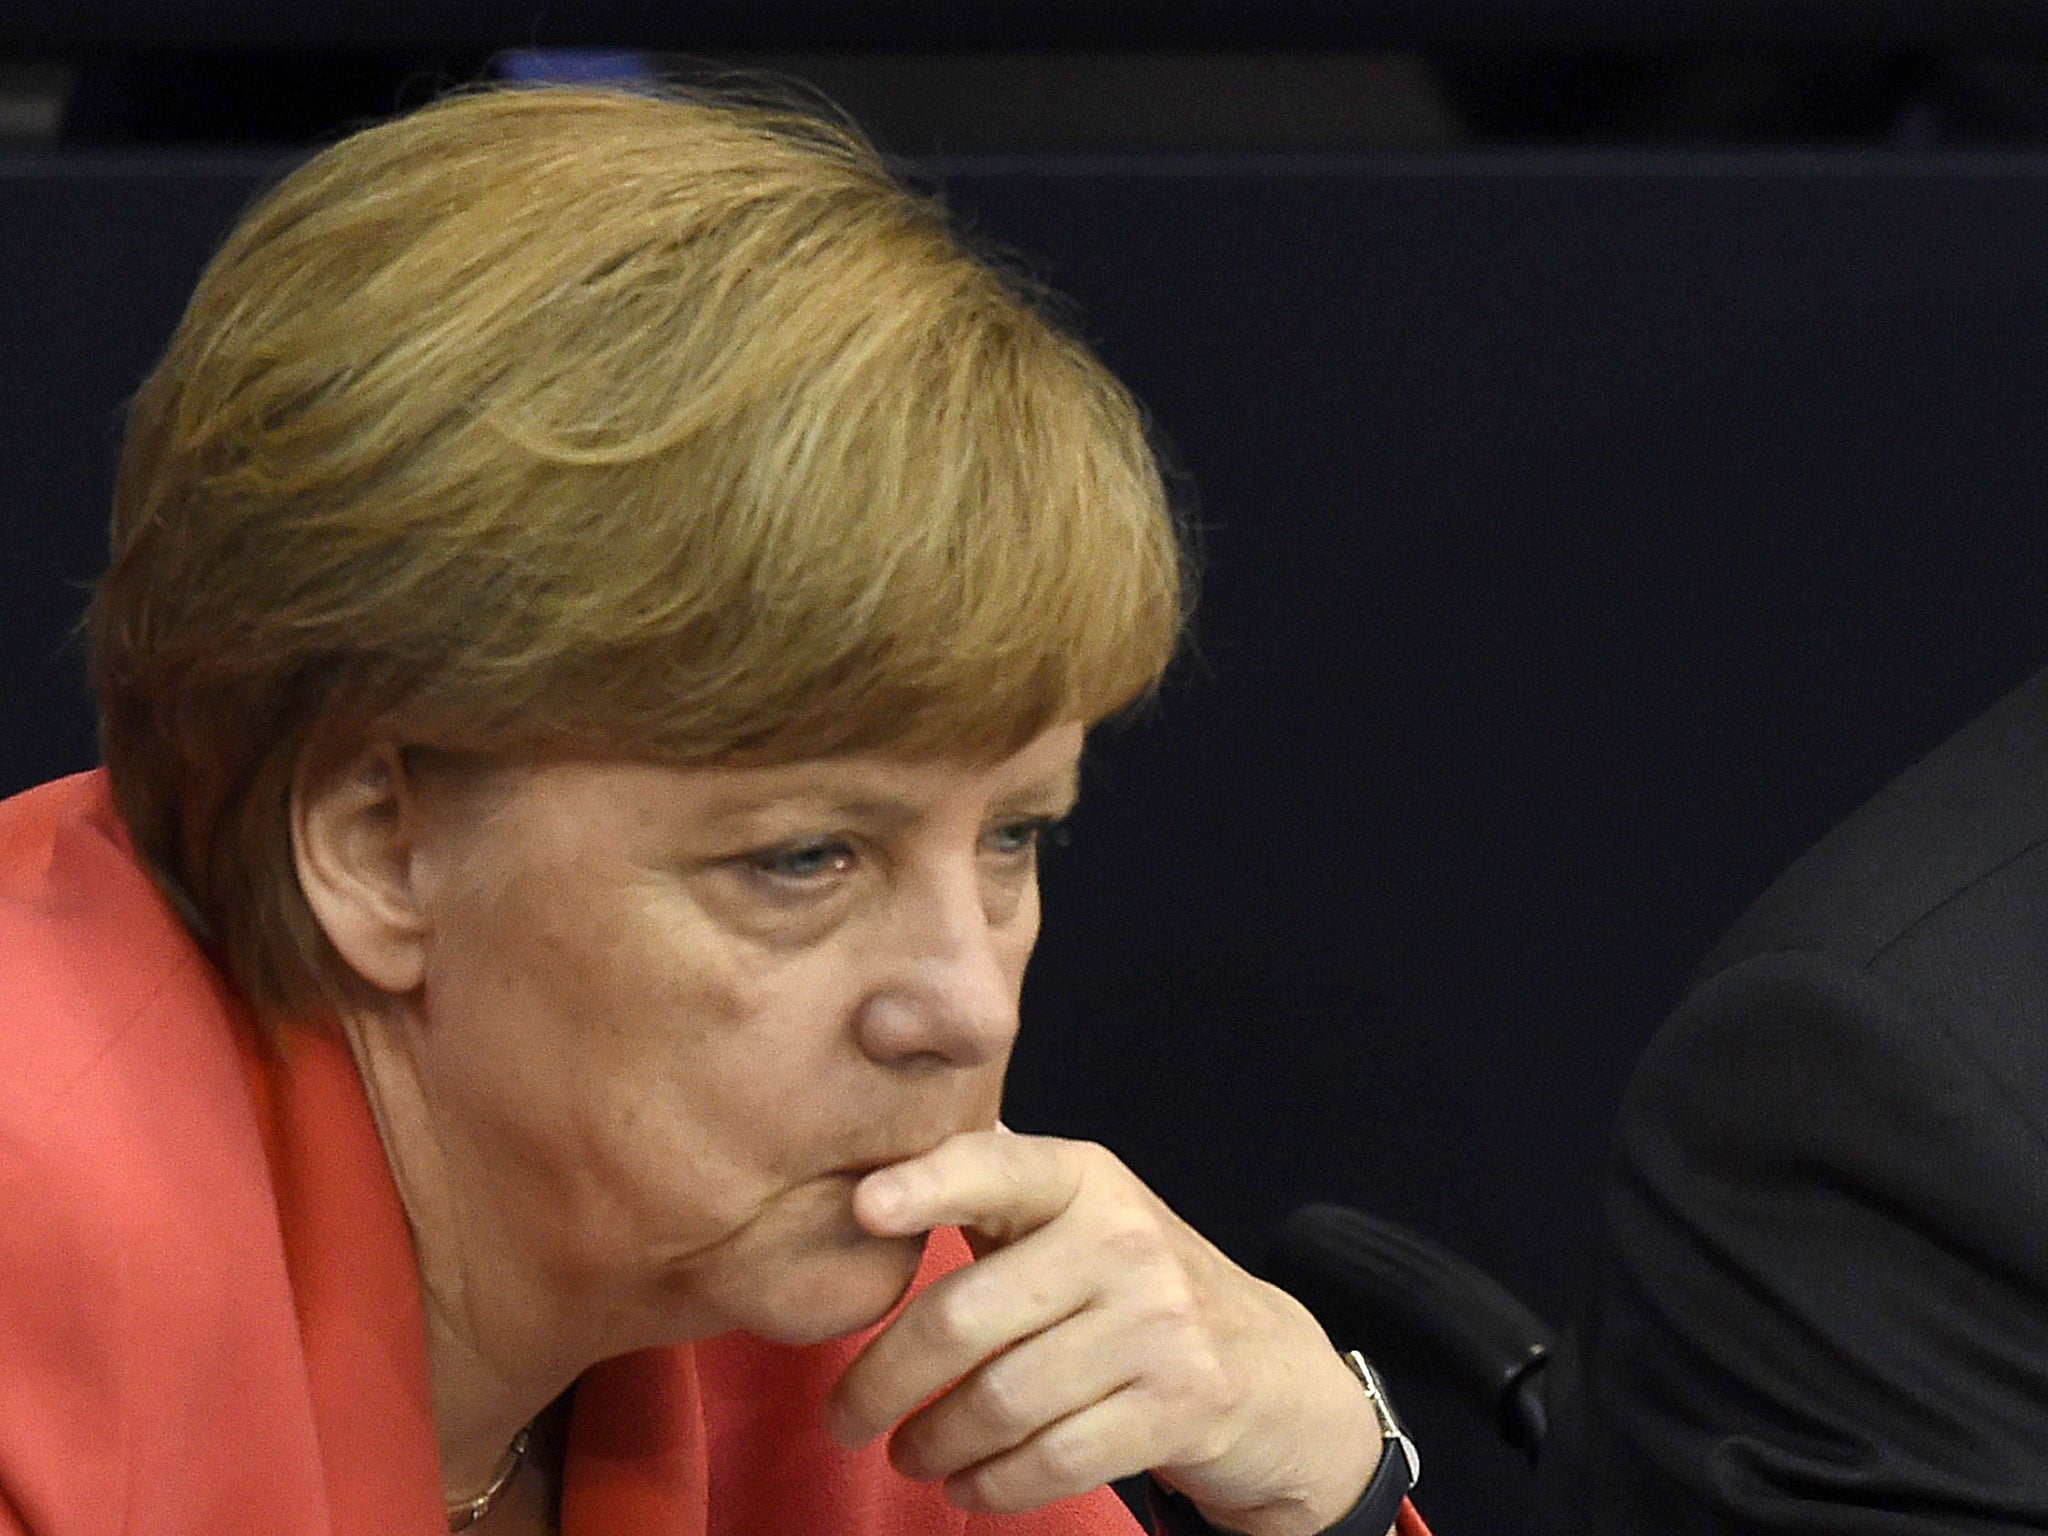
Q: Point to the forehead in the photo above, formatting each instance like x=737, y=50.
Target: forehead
x=1047, y=765
x=865, y=789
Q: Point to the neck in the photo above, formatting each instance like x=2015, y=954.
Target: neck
x=501, y=1346
x=477, y=1412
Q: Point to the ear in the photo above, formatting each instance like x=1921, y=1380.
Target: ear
x=355, y=840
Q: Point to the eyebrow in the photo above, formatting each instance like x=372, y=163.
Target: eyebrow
x=1056, y=796
x=1053, y=796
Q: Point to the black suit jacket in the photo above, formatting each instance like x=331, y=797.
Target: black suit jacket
x=1826, y=1303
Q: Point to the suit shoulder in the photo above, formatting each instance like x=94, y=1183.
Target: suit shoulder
x=1824, y=1272
x=1782, y=1055
x=1971, y=817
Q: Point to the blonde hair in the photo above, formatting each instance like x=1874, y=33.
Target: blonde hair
x=578, y=421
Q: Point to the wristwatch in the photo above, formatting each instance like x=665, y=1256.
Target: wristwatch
x=1400, y=1467
x=1399, y=1470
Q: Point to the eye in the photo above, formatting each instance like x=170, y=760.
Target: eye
x=801, y=863
x=1023, y=837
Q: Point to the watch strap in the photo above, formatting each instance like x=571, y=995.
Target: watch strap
x=1175, y=1514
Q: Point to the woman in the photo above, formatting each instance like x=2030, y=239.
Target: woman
x=606, y=600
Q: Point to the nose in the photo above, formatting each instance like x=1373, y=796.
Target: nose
x=949, y=973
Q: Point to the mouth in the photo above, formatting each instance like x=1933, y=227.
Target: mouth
x=855, y=1172
x=859, y=1167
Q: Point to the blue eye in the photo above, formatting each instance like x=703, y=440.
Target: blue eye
x=1027, y=835
x=803, y=861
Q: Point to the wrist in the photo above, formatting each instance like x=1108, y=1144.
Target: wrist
x=1390, y=1454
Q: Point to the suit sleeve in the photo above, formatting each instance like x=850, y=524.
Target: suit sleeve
x=1827, y=1302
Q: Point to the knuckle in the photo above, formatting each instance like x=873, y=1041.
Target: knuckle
x=1054, y=1464
x=991, y=1487
x=1208, y=1381
x=1173, y=1312
x=1131, y=1237
x=1173, y=1299
x=1003, y=1399
x=1086, y=1156
x=1061, y=1461
x=1018, y=1156
x=957, y=1317
x=1194, y=1378
x=1094, y=1168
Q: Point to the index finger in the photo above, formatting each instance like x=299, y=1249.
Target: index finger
x=996, y=1185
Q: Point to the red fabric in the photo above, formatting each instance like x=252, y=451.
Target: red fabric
x=210, y=1320
x=155, y=1379
x=209, y=1316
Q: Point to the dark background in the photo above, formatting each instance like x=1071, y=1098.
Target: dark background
x=1617, y=444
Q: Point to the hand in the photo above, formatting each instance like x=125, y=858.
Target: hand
x=1099, y=1335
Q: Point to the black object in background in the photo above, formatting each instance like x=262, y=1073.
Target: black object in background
x=949, y=24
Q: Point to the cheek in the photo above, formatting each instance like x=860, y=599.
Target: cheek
x=737, y=1062
x=1014, y=947
x=1019, y=936
x=1015, y=944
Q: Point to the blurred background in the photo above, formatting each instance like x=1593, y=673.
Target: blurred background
x=1615, y=429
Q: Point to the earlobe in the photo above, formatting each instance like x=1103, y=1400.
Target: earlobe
x=354, y=839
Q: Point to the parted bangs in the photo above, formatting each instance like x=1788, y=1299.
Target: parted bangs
x=581, y=422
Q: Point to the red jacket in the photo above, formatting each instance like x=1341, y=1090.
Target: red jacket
x=210, y=1320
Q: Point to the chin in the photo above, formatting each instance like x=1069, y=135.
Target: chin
x=830, y=1295
x=805, y=1271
